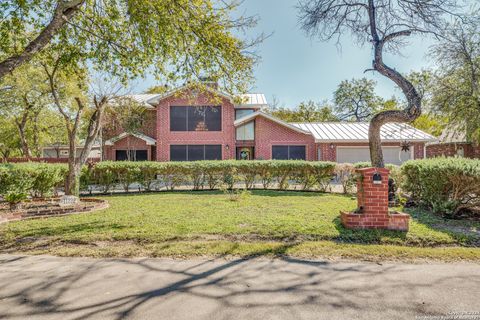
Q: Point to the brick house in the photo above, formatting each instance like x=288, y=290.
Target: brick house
x=186, y=125
x=453, y=142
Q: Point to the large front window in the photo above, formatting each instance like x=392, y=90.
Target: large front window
x=193, y=118
x=194, y=152
x=288, y=152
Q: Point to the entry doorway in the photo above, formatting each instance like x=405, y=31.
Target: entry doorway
x=245, y=153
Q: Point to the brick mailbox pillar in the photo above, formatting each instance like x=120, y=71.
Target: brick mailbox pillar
x=372, y=204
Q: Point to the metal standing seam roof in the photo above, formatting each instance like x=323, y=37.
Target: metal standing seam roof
x=140, y=98
x=247, y=100
x=358, y=132
x=253, y=99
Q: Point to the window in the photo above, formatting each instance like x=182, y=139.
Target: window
x=246, y=131
x=195, y=152
x=131, y=155
x=288, y=152
x=240, y=113
x=195, y=118
x=178, y=153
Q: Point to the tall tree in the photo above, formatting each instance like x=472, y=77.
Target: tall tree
x=23, y=99
x=386, y=24
x=308, y=111
x=355, y=100
x=177, y=40
x=68, y=84
x=174, y=39
x=457, y=85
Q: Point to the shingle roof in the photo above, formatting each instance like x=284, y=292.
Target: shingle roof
x=358, y=132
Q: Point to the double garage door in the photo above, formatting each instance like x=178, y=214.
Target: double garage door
x=392, y=155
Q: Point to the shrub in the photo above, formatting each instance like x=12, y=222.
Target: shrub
x=212, y=174
x=449, y=186
x=36, y=179
x=345, y=174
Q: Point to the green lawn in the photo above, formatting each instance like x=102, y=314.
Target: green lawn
x=207, y=223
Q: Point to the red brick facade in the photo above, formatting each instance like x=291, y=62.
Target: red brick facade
x=372, y=203
x=465, y=149
x=267, y=133
x=165, y=137
x=128, y=143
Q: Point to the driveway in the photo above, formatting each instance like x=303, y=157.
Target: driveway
x=45, y=287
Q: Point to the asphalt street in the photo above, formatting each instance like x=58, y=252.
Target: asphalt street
x=46, y=287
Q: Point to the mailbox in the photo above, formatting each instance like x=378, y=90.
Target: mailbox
x=377, y=178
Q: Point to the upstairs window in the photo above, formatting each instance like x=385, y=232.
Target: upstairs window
x=240, y=113
x=246, y=131
x=193, y=118
x=288, y=153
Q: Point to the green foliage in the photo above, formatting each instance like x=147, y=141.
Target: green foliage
x=448, y=186
x=309, y=111
x=176, y=39
x=355, y=100
x=456, y=88
x=345, y=174
x=210, y=174
x=17, y=181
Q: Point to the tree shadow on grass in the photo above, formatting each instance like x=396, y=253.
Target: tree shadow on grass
x=368, y=236
x=255, y=192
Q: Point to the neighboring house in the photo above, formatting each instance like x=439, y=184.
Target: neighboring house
x=182, y=125
x=61, y=151
x=453, y=142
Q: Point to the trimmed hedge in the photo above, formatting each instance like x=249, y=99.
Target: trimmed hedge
x=208, y=174
x=450, y=186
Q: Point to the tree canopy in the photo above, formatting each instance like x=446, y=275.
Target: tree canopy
x=308, y=111
x=174, y=39
x=355, y=100
x=456, y=93
x=386, y=25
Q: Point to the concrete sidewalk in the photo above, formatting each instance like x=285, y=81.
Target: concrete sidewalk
x=45, y=287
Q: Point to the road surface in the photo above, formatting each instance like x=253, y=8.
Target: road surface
x=45, y=287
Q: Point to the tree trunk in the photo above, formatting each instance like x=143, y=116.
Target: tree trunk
x=64, y=11
x=414, y=107
x=23, y=138
x=75, y=163
x=72, y=186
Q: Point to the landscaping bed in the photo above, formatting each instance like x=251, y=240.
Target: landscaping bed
x=213, y=223
x=42, y=208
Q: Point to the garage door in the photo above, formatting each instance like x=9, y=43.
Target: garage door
x=393, y=155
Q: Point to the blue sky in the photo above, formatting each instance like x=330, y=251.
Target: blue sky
x=295, y=68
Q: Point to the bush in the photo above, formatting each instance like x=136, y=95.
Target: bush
x=36, y=179
x=449, y=186
x=346, y=176
x=211, y=174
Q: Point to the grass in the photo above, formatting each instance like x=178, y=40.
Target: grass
x=180, y=224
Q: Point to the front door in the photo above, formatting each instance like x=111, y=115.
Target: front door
x=245, y=153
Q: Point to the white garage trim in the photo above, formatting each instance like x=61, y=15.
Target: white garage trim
x=412, y=150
